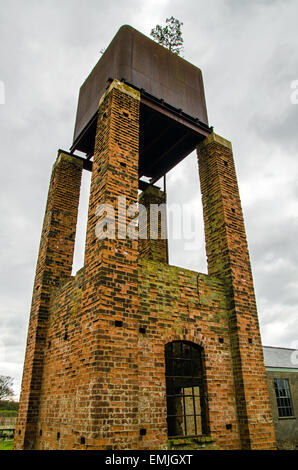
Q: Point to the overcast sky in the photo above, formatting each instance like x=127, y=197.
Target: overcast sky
x=248, y=53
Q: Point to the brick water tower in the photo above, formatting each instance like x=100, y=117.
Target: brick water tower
x=131, y=352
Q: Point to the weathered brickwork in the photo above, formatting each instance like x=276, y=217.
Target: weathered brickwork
x=178, y=304
x=53, y=265
x=102, y=382
x=228, y=258
x=153, y=243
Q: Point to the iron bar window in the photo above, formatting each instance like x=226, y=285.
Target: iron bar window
x=283, y=398
x=186, y=391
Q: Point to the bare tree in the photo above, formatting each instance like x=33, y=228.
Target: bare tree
x=169, y=36
x=6, y=390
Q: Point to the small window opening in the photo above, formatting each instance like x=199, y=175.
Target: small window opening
x=186, y=390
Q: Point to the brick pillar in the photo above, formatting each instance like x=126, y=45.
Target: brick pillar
x=228, y=258
x=151, y=244
x=54, y=264
x=111, y=270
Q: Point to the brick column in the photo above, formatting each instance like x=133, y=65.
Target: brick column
x=228, y=258
x=151, y=245
x=54, y=264
x=111, y=270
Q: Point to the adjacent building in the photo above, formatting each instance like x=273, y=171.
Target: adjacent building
x=282, y=375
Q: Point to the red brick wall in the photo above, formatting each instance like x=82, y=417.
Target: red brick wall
x=152, y=244
x=178, y=304
x=92, y=376
x=53, y=265
x=82, y=397
x=103, y=377
x=228, y=258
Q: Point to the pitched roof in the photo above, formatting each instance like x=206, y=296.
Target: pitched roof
x=280, y=357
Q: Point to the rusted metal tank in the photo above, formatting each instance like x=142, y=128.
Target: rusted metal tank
x=170, y=86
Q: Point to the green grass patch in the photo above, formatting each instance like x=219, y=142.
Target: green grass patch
x=8, y=405
x=8, y=412
x=6, y=445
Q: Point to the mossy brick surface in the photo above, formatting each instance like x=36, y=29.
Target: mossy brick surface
x=94, y=371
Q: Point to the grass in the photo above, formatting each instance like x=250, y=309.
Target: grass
x=8, y=412
x=6, y=445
